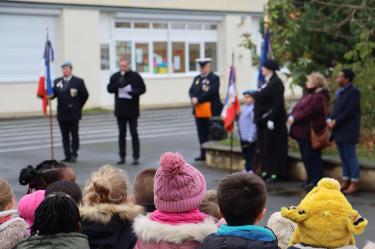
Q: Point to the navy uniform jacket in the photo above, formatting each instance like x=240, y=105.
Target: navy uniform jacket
x=269, y=104
x=69, y=108
x=347, y=113
x=207, y=89
x=127, y=108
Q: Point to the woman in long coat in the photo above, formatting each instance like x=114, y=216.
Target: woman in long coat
x=270, y=117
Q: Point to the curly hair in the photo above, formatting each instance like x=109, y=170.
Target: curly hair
x=108, y=184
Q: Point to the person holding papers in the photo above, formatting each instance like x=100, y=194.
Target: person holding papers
x=127, y=86
x=205, y=99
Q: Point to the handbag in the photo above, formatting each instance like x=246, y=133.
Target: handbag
x=203, y=110
x=321, y=139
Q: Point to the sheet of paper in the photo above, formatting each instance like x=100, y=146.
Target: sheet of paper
x=139, y=55
x=177, y=62
x=123, y=92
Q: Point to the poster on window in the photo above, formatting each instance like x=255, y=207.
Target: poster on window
x=177, y=62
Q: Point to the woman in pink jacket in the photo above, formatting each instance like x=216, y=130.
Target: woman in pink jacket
x=177, y=222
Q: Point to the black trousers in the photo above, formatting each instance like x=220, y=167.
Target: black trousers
x=70, y=137
x=248, y=152
x=203, y=128
x=273, y=148
x=122, y=125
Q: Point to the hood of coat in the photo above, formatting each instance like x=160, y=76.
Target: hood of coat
x=57, y=241
x=148, y=230
x=103, y=213
x=302, y=246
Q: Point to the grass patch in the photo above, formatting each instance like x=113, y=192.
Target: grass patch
x=96, y=110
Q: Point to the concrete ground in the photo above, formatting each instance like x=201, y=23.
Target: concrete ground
x=24, y=142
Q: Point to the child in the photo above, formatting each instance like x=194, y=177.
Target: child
x=106, y=213
x=247, y=130
x=27, y=206
x=325, y=218
x=209, y=205
x=242, y=199
x=45, y=173
x=56, y=225
x=144, y=189
x=283, y=229
x=176, y=223
x=70, y=188
x=12, y=228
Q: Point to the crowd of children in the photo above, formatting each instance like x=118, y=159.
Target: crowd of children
x=169, y=208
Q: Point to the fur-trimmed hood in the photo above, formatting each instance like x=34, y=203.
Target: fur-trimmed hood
x=102, y=213
x=148, y=230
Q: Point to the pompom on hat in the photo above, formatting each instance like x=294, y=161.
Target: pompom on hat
x=178, y=186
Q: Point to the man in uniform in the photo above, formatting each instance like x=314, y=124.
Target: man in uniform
x=205, y=99
x=127, y=86
x=71, y=94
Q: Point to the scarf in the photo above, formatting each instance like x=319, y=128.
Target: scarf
x=191, y=217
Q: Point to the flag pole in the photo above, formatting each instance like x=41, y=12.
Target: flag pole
x=231, y=135
x=51, y=129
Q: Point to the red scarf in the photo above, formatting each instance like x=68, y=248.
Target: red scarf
x=191, y=217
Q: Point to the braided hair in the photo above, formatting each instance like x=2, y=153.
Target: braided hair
x=40, y=177
x=58, y=213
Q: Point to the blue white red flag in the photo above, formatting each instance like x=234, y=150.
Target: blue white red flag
x=231, y=106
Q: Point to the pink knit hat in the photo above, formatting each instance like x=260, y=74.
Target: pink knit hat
x=28, y=204
x=178, y=186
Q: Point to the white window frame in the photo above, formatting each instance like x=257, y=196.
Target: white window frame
x=169, y=36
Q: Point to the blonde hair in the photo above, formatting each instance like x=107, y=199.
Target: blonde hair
x=6, y=194
x=318, y=79
x=108, y=184
x=209, y=204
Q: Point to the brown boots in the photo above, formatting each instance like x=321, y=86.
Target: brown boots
x=348, y=187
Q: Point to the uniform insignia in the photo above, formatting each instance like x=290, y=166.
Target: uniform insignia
x=197, y=81
x=59, y=84
x=205, y=87
x=207, y=82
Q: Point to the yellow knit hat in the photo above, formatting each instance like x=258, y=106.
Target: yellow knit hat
x=325, y=218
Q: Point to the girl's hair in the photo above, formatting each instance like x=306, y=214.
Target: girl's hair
x=58, y=213
x=40, y=177
x=318, y=79
x=108, y=184
x=70, y=188
x=6, y=194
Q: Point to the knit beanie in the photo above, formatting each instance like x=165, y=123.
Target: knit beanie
x=28, y=204
x=178, y=186
x=283, y=229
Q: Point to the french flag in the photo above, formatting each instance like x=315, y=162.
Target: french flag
x=45, y=88
x=231, y=106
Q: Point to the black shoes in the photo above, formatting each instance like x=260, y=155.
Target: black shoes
x=121, y=162
x=201, y=158
x=135, y=161
x=72, y=159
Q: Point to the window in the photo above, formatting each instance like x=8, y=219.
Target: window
x=194, y=51
x=178, y=57
x=123, y=25
x=123, y=49
x=210, y=51
x=178, y=25
x=141, y=58
x=194, y=26
x=141, y=25
x=210, y=26
x=160, y=25
x=104, y=56
x=160, y=58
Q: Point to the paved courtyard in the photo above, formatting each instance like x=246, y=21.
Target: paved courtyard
x=26, y=141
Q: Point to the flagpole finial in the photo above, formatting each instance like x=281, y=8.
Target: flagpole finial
x=266, y=21
x=232, y=57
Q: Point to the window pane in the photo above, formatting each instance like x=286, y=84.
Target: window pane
x=178, y=57
x=104, y=56
x=194, y=26
x=160, y=58
x=193, y=55
x=123, y=49
x=160, y=25
x=210, y=51
x=141, y=25
x=178, y=25
x=141, y=58
x=124, y=25
x=210, y=26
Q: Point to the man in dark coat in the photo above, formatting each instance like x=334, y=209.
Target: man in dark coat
x=345, y=120
x=205, y=88
x=127, y=86
x=270, y=117
x=71, y=94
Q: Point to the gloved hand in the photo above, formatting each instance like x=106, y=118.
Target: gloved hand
x=270, y=125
